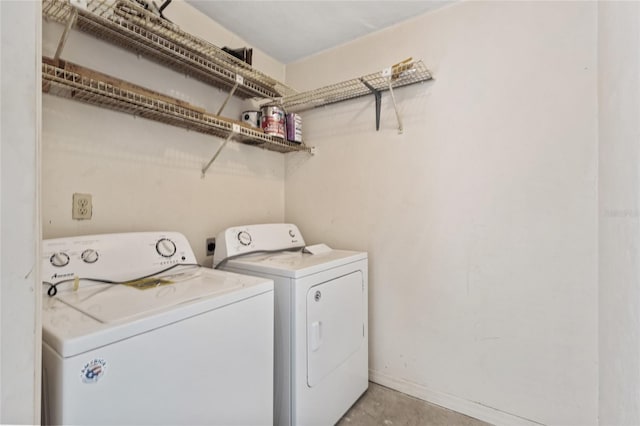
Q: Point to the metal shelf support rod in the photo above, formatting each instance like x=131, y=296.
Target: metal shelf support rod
x=395, y=106
x=378, y=96
x=205, y=168
x=224, y=104
x=65, y=34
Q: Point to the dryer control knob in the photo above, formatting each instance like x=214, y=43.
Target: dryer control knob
x=59, y=259
x=244, y=237
x=165, y=247
x=89, y=256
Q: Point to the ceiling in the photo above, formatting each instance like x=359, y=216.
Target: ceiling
x=291, y=30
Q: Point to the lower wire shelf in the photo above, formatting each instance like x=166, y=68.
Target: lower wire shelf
x=88, y=87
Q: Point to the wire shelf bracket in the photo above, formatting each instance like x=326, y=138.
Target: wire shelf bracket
x=239, y=81
x=65, y=34
x=388, y=72
x=378, y=97
x=236, y=129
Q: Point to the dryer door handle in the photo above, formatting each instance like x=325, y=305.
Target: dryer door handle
x=316, y=335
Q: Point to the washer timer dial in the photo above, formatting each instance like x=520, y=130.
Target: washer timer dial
x=165, y=247
x=244, y=237
x=89, y=256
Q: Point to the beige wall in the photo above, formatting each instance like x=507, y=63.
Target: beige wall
x=619, y=200
x=144, y=175
x=19, y=215
x=481, y=219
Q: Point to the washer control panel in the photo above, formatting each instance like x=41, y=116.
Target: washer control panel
x=113, y=256
x=256, y=238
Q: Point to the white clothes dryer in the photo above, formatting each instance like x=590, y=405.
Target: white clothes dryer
x=137, y=334
x=321, y=327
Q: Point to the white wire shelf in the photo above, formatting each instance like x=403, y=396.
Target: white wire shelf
x=125, y=23
x=406, y=74
x=88, y=89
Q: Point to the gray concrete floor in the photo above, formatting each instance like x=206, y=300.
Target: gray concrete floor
x=383, y=406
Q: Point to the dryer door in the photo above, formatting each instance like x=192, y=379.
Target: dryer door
x=335, y=328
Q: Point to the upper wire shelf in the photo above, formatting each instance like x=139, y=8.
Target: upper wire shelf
x=402, y=74
x=102, y=92
x=125, y=23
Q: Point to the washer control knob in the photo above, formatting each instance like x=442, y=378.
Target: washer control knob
x=292, y=234
x=244, y=237
x=89, y=256
x=165, y=247
x=59, y=259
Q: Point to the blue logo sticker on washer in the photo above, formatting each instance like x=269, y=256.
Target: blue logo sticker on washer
x=93, y=370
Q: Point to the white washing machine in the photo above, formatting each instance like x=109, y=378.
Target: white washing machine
x=189, y=345
x=321, y=334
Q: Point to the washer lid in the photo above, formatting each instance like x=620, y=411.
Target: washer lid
x=96, y=315
x=295, y=264
x=123, y=302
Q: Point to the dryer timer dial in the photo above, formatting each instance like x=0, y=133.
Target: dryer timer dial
x=244, y=237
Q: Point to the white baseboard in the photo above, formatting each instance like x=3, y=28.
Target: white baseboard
x=469, y=408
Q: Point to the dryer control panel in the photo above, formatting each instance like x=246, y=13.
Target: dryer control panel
x=256, y=238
